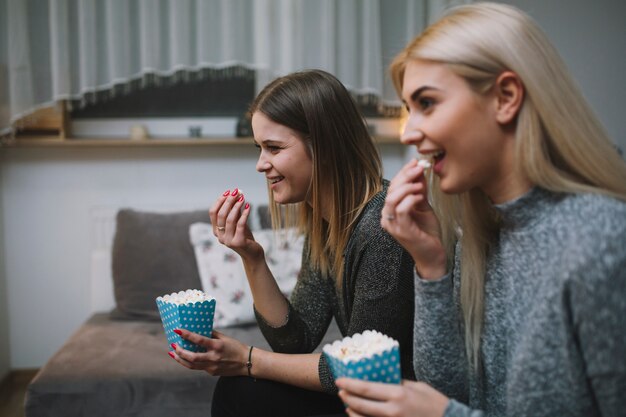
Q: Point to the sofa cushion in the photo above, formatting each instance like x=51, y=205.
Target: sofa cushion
x=121, y=368
x=152, y=256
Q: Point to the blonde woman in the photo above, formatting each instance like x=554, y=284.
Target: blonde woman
x=518, y=232
x=323, y=168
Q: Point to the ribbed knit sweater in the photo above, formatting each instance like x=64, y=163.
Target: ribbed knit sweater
x=376, y=294
x=554, y=337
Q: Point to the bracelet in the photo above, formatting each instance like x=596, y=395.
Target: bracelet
x=249, y=363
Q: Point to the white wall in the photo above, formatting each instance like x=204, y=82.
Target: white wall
x=591, y=37
x=48, y=194
x=4, y=311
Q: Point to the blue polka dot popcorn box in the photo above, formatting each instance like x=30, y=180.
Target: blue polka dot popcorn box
x=370, y=356
x=191, y=310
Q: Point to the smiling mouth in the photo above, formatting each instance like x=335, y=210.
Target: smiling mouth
x=437, y=156
x=275, y=180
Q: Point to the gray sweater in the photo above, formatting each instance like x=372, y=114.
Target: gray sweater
x=554, y=337
x=377, y=293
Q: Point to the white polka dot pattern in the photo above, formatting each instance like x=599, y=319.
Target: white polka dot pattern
x=381, y=367
x=196, y=317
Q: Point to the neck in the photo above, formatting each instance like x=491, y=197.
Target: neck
x=508, y=188
x=508, y=181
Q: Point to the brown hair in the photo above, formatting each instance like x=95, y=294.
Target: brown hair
x=347, y=170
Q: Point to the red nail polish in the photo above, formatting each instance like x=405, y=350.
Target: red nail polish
x=178, y=332
x=226, y=193
x=171, y=354
x=240, y=199
x=173, y=345
x=247, y=206
x=235, y=192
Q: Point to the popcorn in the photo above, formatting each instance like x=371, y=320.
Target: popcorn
x=370, y=356
x=360, y=345
x=185, y=297
x=192, y=310
x=424, y=163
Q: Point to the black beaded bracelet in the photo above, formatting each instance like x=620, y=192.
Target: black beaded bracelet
x=249, y=363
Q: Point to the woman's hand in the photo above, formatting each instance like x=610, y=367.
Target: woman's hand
x=411, y=399
x=225, y=356
x=408, y=217
x=229, y=217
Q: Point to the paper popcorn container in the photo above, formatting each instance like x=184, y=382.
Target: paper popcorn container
x=370, y=356
x=195, y=316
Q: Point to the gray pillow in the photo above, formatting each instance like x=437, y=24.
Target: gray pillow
x=152, y=256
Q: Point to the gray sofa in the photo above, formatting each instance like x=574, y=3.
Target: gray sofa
x=116, y=363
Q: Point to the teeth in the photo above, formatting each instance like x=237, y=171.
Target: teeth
x=428, y=160
x=274, y=181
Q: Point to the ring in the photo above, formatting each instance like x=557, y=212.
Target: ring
x=221, y=228
x=390, y=217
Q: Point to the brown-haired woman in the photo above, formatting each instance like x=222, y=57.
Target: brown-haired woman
x=324, y=176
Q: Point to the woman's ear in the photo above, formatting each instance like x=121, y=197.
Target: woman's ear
x=510, y=96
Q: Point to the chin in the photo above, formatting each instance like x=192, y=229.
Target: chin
x=450, y=187
x=283, y=200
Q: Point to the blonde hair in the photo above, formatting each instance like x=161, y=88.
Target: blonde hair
x=347, y=169
x=560, y=144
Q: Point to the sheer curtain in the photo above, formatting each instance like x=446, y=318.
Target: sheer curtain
x=83, y=49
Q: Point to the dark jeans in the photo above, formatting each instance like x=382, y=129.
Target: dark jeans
x=239, y=396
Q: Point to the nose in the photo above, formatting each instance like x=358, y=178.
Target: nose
x=262, y=164
x=412, y=134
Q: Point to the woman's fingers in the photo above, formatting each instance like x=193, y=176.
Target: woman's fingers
x=352, y=413
x=372, y=390
x=380, y=400
x=222, y=209
x=367, y=398
x=226, y=209
x=409, y=181
x=399, y=195
x=214, y=210
x=242, y=223
x=237, y=203
x=411, y=172
x=197, y=360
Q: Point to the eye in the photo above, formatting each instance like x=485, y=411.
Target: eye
x=425, y=103
x=273, y=149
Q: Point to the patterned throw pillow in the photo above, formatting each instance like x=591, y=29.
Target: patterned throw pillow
x=223, y=277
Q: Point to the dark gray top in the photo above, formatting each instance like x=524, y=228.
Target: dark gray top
x=554, y=338
x=377, y=294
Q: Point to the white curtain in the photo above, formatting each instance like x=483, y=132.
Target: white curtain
x=52, y=50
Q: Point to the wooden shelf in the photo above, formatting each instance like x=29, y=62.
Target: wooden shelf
x=55, y=141
x=49, y=142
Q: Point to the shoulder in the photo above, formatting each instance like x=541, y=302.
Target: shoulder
x=592, y=228
x=370, y=217
x=367, y=232
x=592, y=217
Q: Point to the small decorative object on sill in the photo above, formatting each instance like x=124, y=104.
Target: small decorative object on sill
x=138, y=132
x=195, y=131
x=244, y=127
